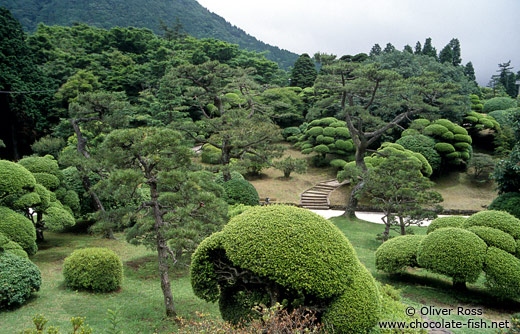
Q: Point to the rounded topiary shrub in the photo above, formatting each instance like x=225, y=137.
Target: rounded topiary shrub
x=240, y=191
x=494, y=237
x=423, y=145
x=441, y=222
x=9, y=246
x=398, y=253
x=282, y=253
x=19, y=278
x=95, y=269
x=18, y=229
x=502, y=273
x=508, y=202
x=14, y=178
x=210, y=155
x=496, y=219
x=499, y=103
x=453, y=252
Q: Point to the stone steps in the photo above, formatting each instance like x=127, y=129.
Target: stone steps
x=317, y=197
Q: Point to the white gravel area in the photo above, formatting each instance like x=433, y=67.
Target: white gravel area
x=373, y=217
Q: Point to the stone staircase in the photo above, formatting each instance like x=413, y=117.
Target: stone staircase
x=317, y=197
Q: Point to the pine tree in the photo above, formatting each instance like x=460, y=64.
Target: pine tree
x=304, y=72
x=446, y=55
x=408, y=48
x=456, y=55
x=389, y=48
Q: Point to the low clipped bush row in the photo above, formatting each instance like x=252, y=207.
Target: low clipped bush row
x=95, y=269
x=462, y=248
x=19, y=278
x=286, y=254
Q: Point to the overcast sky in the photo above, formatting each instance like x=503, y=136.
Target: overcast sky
x=488, y=30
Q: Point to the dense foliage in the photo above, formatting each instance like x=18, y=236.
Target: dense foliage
x=19, y=278
x=509, y=202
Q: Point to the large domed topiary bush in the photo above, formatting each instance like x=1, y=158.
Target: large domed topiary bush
x=281, y=253
x=95, y=269
x=496, y=219
x=453, y=252
x=442, y=222
x=19, y=278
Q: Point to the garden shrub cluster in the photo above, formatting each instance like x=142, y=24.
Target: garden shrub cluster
x=19, y=278
x=452, y=141
x=326, y=136
x=290, y=255
x=462, y=248
x=96, y=269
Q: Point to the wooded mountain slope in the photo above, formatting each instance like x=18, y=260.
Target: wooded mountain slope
x=195, y=19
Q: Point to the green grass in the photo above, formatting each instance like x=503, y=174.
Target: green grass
x=140, y=299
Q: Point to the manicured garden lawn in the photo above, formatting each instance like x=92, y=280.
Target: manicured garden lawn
x=140, y=301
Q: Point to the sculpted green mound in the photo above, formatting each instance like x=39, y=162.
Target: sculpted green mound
x=288, y=255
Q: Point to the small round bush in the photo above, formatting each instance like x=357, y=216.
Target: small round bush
x=419, y=124
x=499, y=103
x=338, y=163
x=342, y=132
x=290, y=131
x=495, y=238
x=344, y=145
x=9, y=246
x=41, y=165
x=18, y=229
x=497, y=219
x=435, y=130
x=321, y=149
x=463, y=138
x=47, y=180
x=95, y=269
x=315, y=131
x=508, y=202
x=453, y=252
x=398, y=253
x=446, y=123
x=502, y=273
x=240, y=191
x=19, y=278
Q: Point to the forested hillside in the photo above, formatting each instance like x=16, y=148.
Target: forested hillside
x=195, y=19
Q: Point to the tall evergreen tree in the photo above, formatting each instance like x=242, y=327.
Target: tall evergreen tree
x=446, y=55
x=408, y=48
x=469, y=71
x=304, y=72
x=455, y=48
x=429, y=49
x=389, y=48
x=418, y=48
x=376, y=50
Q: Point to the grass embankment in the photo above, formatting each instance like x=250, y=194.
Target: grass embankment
x=140, y=299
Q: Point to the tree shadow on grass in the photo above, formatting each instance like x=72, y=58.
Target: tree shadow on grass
x=438, y=289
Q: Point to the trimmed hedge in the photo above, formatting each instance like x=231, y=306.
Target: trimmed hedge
x=19, y=278
x=398, y=253
x=442, y=222
x=95, y=269
x=240, y=191
x=508, y=202
x=502, y=273
x=495, y=238
x=18, y=229
x=497, y=219
x=453, y=252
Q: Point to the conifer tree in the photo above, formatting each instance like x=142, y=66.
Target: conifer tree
x=429, y=49
x=304, y=72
